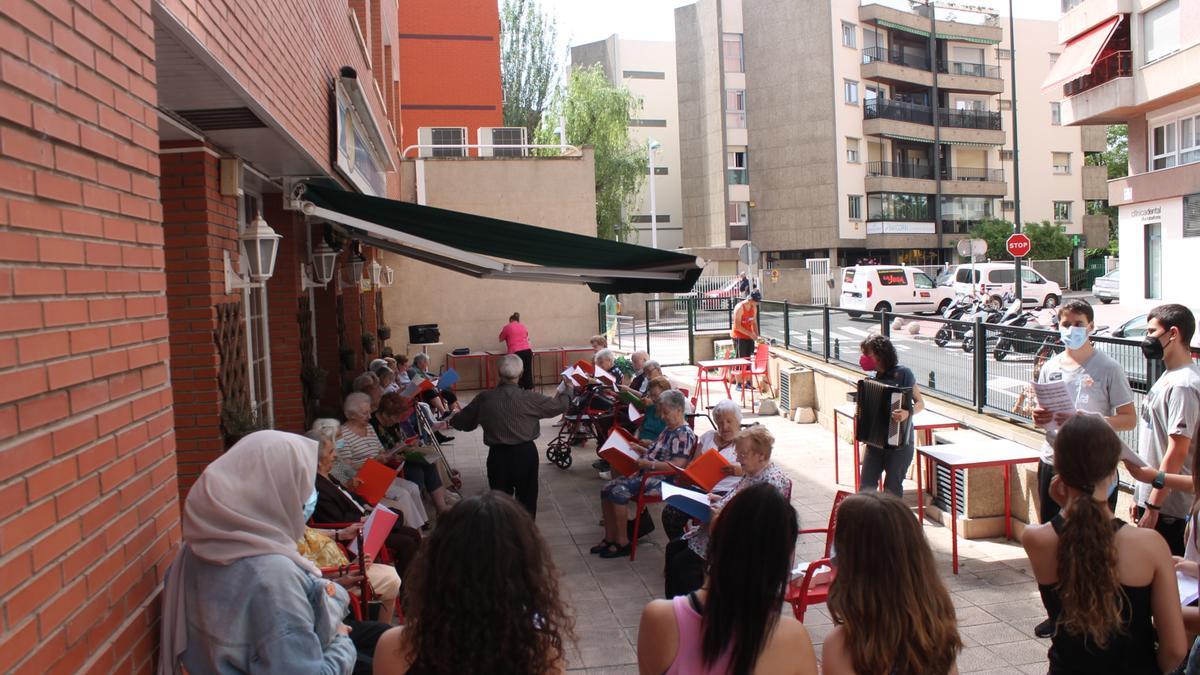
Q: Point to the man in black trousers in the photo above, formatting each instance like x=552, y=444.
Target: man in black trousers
x=511, y=420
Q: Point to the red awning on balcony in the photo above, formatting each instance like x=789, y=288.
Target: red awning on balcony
x=1080, y=54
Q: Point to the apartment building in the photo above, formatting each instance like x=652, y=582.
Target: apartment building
x=896, y=159
x=1138, y=62
x=647, y=69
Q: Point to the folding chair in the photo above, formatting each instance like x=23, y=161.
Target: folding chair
x=805, y=591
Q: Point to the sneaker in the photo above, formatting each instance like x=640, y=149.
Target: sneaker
x=605, y=475
x=1044, y=629
x=443, y=438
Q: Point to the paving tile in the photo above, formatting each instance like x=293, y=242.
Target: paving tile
x=992, y=633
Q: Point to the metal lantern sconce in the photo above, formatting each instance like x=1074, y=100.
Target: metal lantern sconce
x=355, y=271
x=376, y=273
x=259, y=248
x=322, y=267
x=389, y=276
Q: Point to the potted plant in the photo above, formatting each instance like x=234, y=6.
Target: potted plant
x=384, y=332
x=346, y=355
x=368, y=343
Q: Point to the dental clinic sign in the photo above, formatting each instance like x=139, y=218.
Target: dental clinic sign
x=1142, y=215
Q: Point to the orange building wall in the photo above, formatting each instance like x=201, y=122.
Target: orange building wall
x=449, y=66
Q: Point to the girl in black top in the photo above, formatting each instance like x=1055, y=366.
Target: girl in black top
x=1111, y=588
x=879, y=356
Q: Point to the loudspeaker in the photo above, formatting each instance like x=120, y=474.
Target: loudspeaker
x=424, y=333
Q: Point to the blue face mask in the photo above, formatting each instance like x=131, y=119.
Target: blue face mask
x=310, y=505
x=1073, y=337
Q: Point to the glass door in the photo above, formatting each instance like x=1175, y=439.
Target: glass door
x=1154, y=260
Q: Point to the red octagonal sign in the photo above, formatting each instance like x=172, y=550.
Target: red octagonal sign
x=1018, y=245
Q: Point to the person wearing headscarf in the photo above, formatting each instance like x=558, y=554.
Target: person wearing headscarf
x=240, y=597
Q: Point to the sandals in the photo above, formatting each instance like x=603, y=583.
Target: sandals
x=614, y=551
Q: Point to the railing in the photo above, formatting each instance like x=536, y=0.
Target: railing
x=882, y=108
x=969, y=69
x=925, y=172
x=969, y=119
x=1118, y=64
x=737, y=176
x=895, y=56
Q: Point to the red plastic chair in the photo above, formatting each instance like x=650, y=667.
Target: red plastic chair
x=759, y=368
x=805, y=591
x=642, y=500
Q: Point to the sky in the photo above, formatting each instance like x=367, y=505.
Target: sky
x=582, y=21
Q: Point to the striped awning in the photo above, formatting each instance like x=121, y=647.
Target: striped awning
x=941, y=36
x=914, y=139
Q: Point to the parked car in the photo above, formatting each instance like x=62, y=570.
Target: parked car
x=717, y=299
x=1000, y=278
x=1108, y=287
x=1130, y=356
x=892, y=288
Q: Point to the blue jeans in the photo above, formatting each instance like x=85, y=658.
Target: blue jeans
x=894, y=462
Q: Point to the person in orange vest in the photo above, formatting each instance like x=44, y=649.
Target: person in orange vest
x=745, y=325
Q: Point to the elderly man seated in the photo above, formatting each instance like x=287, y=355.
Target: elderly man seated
x=673, y=447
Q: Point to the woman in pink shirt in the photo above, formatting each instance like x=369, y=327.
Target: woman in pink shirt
x=517, y=337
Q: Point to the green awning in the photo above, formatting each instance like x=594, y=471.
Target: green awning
x=963, y=38
x=941, y=36
x=914, y=139
x=491, y=248
x=899, y=26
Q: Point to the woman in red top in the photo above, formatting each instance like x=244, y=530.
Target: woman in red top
x=745, y=325
x=517, y=337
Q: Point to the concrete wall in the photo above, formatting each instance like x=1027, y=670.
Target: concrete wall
x=556, y=193
x=792, y=119
x=701, y=124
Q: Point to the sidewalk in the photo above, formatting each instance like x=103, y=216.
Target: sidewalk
x=996, y=596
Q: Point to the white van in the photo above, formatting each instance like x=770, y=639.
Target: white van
x=1000, y=278
x=892, y=288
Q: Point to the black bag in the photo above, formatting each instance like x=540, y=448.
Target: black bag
x=646, y=528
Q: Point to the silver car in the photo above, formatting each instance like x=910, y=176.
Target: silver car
x=1108, y=287
x=1130, y=355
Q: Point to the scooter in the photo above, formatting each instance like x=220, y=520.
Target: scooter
x=959, y=308
x=989, y=312
x=1019, y=342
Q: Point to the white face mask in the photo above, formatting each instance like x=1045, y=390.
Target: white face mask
x=1073, y=337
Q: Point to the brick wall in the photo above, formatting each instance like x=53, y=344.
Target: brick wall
x=283, y=307
x=198, y=224
x=88, y=510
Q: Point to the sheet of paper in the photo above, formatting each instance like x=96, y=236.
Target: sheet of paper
x=1129, y=455
x=691, y=502
x=1054, y=396
x=1189, y=587
x=634, y=415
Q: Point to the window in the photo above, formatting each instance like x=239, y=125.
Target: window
x=1062, y=212
x=1061, y=161
x=359, y=154
x=851, y=92
x=658, y=171
x=449, y=136
x=1002, y=276
x=258, y=337
x=1054, y=58
x=731, y=43
x=922, y=280
x=1005, y=104
x=1189, y=140
x=1160, y=30
x=735, y=108
x=644, y=74
x=1056, y=113
x=1007, y=205
x=738, y=215
x=1029, y=276
x=855, y=207
x=899, y=206
x=1191, y=215
x=647, y=123
x=659, y=218
x=1162, y=146
x=849, y=35
x=1006, y=155
x=892, y=277
x=852, y=150
x=1003, y=54
x=736, y=170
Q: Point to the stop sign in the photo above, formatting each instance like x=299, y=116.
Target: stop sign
x=1018, y=245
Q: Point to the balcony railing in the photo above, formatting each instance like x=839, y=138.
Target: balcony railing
x=925, y=172
x=969, y=69
x=900, y=111
x=895, y=56
x=1117, y=64
x=739, y=231
x=737, y=176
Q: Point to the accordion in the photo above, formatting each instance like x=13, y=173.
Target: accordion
x=875, y=403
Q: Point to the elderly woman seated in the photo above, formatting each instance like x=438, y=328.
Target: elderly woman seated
x=727, y=417
x=685, y=558
x=441, y=401
x=368, y=384
x=673, y=447
x=356, y=443
x=387, y=379
x=388, y=422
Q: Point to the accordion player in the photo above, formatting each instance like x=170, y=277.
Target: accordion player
x=874, y=407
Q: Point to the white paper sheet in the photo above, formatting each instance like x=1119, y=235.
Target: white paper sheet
x=1189, y=587
x=617, y=441
x=671, y=490
x=634, y=415
x=1054, y=396
x=1129, y=455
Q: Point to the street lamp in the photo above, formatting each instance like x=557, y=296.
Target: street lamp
x=651, y=146
x=259, y=247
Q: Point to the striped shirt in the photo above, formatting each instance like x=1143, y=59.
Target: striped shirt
x=353, y=451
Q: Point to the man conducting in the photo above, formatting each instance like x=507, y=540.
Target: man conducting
x=510, y=417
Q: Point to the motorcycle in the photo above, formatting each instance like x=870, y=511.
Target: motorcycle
x=1019, y=342
x=989, y=312
x=958, y=309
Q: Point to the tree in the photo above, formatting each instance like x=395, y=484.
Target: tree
x=1116, y=155
x=528, y=66
x=1048, y=241
x=597, y=114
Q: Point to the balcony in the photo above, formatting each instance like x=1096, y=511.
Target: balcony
x=965, y=76
x=736, y=176
x=894, y=65
x=956, y=180
x=925, y=172
x=1107, y=69
x=950, y=24
x=1095, y=182
x=886, y=117
x=955, y=226
x=1080, y=15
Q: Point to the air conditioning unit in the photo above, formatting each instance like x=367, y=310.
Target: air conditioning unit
x=515, y=136
x=435, y=136
x=797, y=389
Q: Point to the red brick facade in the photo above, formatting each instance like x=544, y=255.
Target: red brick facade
x=88, y=507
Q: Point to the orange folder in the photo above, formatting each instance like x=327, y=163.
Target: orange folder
x=705, y=470
x=375, y=477
x=619, y=452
